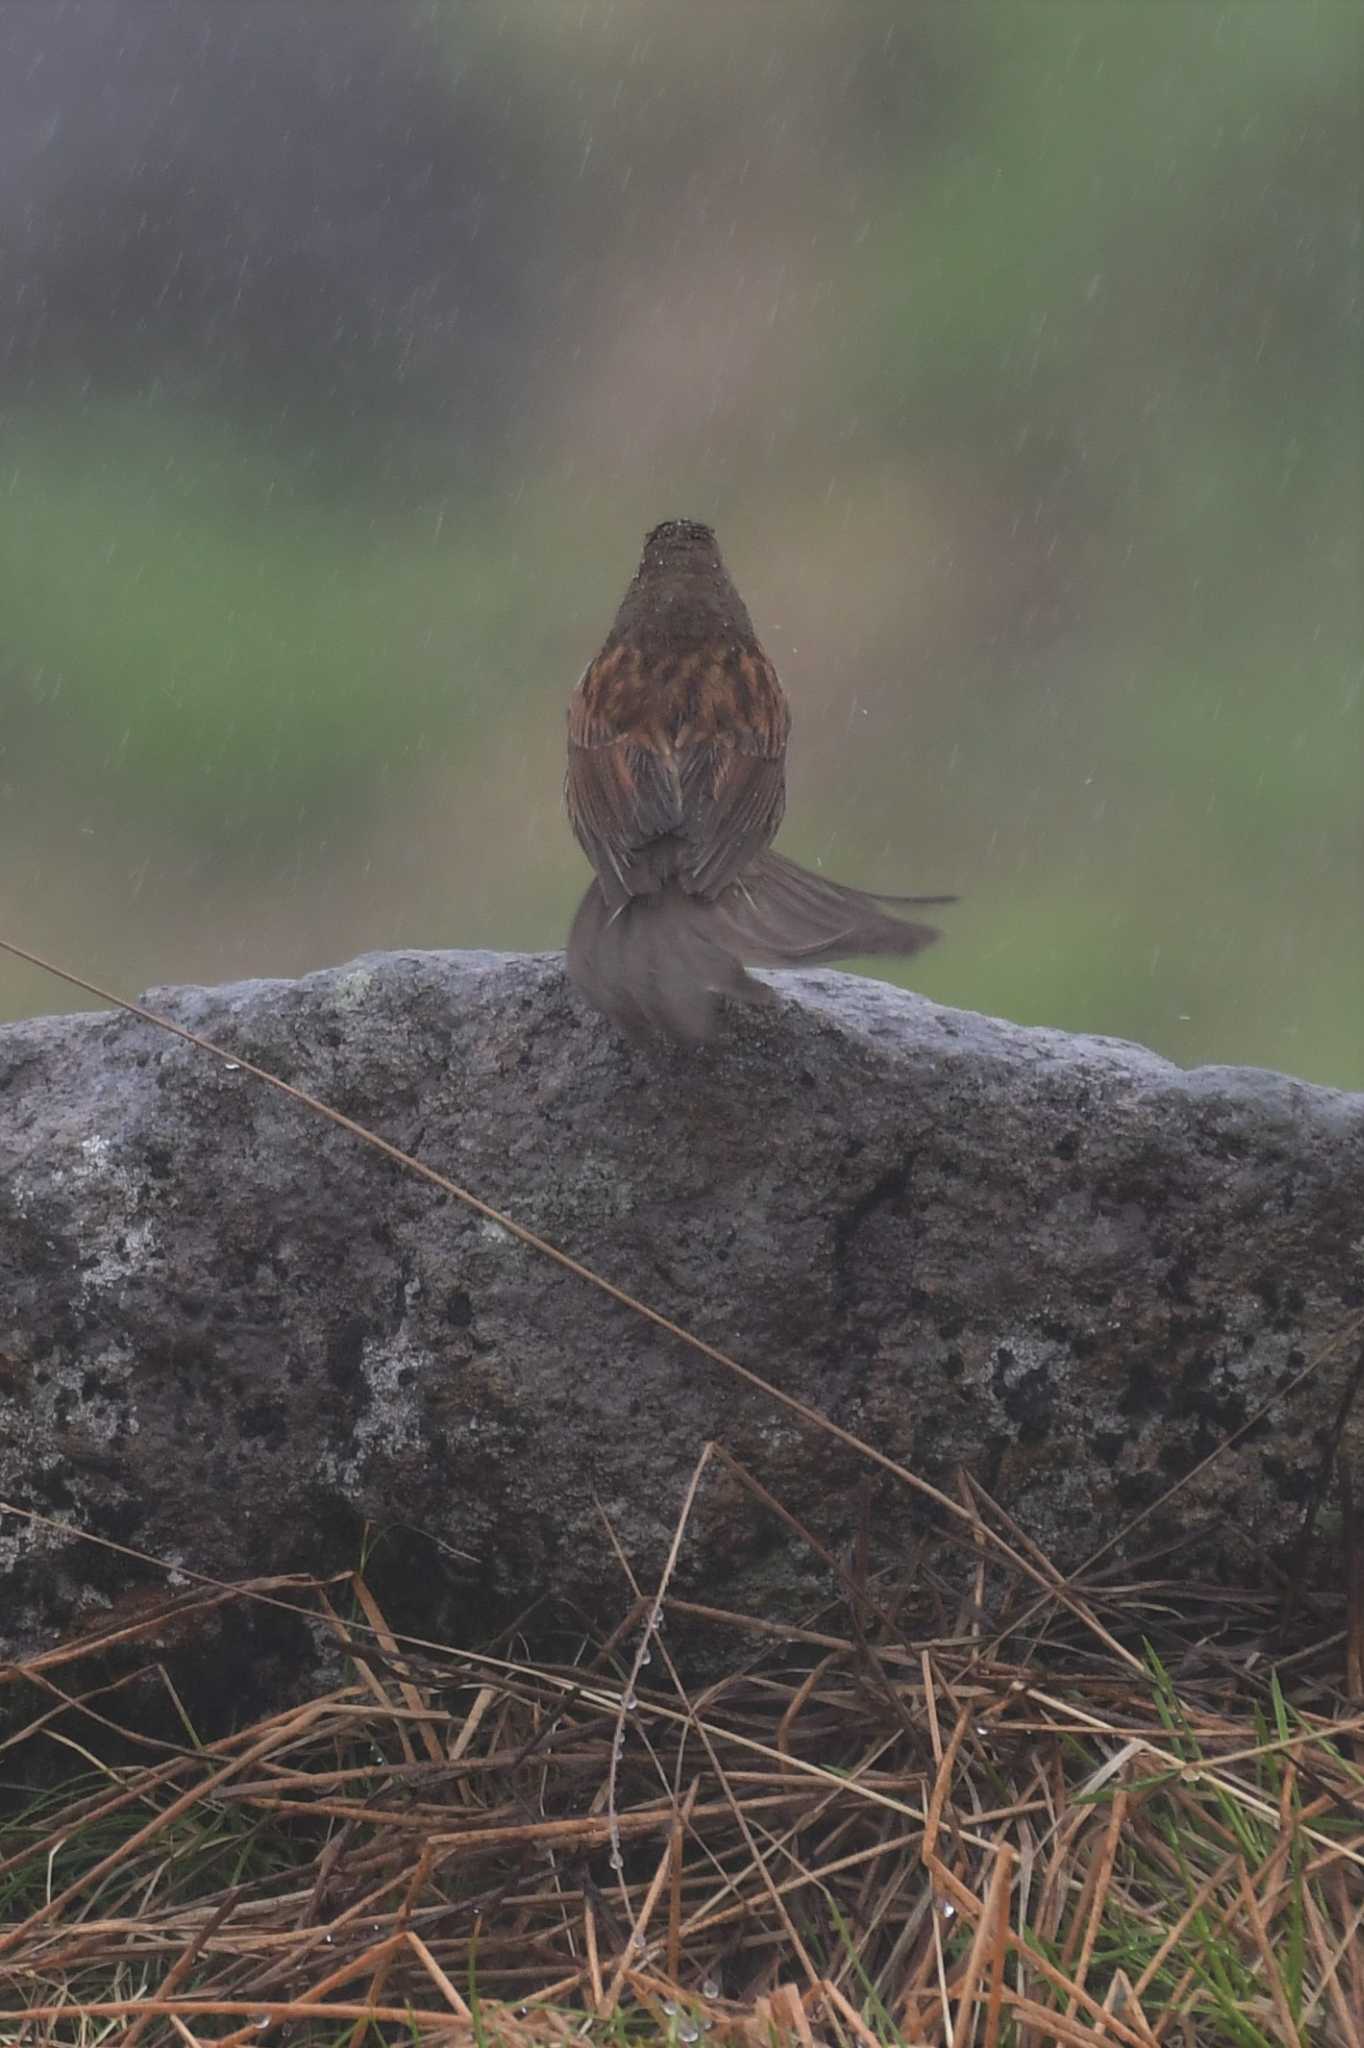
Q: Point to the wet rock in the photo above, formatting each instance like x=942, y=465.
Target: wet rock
x=232, y=1335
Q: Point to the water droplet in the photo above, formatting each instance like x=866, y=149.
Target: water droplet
x=689, y=2031
x=231, y=1067
x=710, y=1989
x=646, y=1655
x=668, y=2007
x=616, y=1860
x=631, y=1702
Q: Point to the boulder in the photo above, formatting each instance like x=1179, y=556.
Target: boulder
x=237, y=1339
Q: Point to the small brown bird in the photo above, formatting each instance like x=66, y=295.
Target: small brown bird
x=676, y=786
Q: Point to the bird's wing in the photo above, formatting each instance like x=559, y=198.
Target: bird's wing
x=623, y=791
x=733, y=771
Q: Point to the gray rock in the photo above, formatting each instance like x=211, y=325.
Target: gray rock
x=230, y=1333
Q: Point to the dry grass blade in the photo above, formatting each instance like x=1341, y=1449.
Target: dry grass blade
x=988, y=1949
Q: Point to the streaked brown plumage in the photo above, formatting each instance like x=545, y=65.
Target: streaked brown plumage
x=676, y=786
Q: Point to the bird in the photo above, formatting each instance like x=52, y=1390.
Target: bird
x=675, y=788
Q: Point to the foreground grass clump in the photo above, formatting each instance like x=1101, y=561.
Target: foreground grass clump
x=1127, y=1814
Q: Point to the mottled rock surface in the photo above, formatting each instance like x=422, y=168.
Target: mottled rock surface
x=230, y=1333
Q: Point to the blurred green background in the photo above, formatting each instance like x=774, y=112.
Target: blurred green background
x=346, y=352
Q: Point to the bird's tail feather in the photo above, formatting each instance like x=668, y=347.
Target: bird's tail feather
x=781, y=915
x=655, y=964
x=660, y=962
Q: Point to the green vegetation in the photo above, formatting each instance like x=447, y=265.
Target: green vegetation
x=1014, y=350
